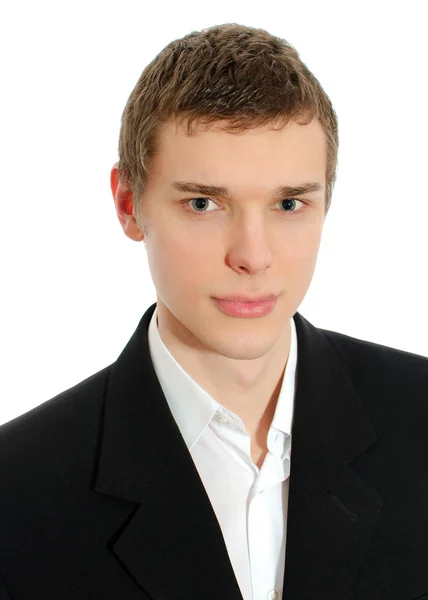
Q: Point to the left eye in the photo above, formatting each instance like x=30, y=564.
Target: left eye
x=289, y=200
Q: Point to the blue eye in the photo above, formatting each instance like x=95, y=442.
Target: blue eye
x=290, y=200
x=199, y=201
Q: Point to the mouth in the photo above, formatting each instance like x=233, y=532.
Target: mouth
x=246, y=308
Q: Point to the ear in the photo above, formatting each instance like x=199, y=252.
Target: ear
x=124, y=206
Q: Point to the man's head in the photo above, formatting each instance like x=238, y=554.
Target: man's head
x=231, y=107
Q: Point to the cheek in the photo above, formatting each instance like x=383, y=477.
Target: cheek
x=177, y=260
x=306, y=249
x=301, y=254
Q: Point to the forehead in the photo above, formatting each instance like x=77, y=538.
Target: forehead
x=214, y=153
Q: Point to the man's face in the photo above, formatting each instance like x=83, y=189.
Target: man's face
x=252, y=244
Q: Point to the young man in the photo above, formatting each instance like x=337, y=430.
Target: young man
x=233, y=450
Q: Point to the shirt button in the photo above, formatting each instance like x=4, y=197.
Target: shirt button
x=273, y=595
x=223, y=419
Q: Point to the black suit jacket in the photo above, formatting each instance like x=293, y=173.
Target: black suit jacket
x=100, y=498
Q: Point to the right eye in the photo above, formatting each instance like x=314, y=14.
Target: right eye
x=198, y=203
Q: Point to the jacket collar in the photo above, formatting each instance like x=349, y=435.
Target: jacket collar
x=173, y=545
x=331, y=510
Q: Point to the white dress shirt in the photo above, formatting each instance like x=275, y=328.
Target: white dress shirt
x=250, y=503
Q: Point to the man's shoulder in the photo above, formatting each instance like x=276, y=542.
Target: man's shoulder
x=72, y=410
x=363, y=355
x=389, y=381
x=47, y=455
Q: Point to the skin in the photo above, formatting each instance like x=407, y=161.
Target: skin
x=249, y=245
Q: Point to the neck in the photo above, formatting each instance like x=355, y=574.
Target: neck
x=248, y=388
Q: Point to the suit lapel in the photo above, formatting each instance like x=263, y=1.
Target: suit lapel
x=172, y=545
x=331, y=511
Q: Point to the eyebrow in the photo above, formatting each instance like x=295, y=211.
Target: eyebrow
x=219, y=190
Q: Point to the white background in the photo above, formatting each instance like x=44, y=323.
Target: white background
x=74, y=286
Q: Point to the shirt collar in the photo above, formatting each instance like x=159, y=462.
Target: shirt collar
x=192, y=407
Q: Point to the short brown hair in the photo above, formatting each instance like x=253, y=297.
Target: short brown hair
x=243, y=75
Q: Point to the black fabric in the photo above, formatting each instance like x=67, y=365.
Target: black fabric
x=100, y=498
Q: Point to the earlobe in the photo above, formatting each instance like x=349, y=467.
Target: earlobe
x=122, y=197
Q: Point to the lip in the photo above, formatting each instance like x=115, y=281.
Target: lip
x=239, y=298
x=246, y=309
